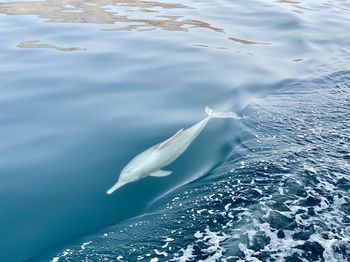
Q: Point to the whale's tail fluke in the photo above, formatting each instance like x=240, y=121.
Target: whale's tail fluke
x=215, y=114
x=115, y=187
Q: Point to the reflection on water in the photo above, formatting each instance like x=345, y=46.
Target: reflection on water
x=37, y=44
x=296, y=5
x=248, y=42
x=209, y=46
x=337, y=5
x=108, y=12
x=129, y=15
x=170, y=23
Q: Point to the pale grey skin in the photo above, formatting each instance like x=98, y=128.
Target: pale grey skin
x=150, y=161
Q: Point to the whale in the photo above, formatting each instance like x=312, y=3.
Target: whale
x=151, y=161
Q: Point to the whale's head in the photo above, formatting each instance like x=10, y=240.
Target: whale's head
x=130, y=174
x=127, y=175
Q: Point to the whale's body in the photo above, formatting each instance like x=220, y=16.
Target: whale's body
x=150, y=161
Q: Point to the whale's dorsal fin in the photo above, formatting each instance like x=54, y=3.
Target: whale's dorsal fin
x=163, y=144
x=160, y=173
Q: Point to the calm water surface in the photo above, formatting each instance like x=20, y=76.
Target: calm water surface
x=86, y=85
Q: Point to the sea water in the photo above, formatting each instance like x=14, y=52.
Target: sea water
x=87, y=85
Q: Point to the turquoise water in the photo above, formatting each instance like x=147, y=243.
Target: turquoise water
x=87, y=85
x=281, y=195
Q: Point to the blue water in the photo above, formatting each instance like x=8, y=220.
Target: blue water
x=87, y=85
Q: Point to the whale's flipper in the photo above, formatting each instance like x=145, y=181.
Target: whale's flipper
x=163, y=144
x=160, y=173
x=215, y=114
